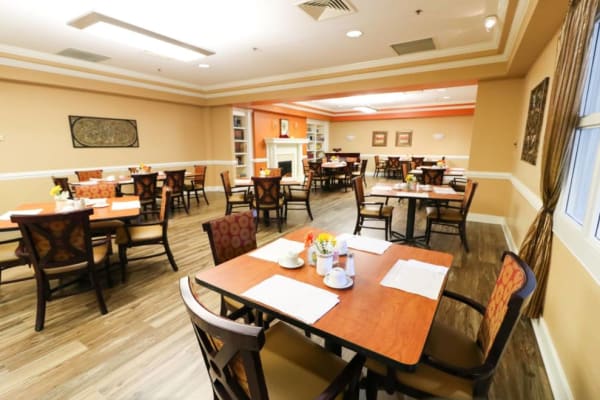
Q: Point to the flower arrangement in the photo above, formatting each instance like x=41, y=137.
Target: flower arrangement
x=325, y=243
x=58, y=193
x=441, y=164
x=410, y=178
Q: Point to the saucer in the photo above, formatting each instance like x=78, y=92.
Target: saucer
x=284, y=264
x=349, y=282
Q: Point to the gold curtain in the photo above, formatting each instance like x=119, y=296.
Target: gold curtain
x=563, y=116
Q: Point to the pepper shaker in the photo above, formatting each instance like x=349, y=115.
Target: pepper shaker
x=350, y=264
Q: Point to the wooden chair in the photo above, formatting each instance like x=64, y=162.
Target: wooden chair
x=432, y=176
x=454, y=365
x=319, y=177
x=63, y=182
x=231, y=236
x=417, y=161
x=197, y=184
x=361, y=172
x=245, y=362
x=393, y=169
x=235, y=197
x=83, y=176
x=147, y=234
x=370, y=211
x=298, y=197
x=268, y=197
x=175, y=180
x=452, y=217
x=100, y=190
x=60, y=245
x=145, y=186
x=380, y=165
x=344, y=176
x=405, y=167
x=13, y=254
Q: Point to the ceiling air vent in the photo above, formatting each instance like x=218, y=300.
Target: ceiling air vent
x=82, y=55
x=414, y=46
x=325, y=9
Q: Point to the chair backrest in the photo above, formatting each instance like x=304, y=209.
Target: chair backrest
x=199, y=176
x=470, y=188
x=230, y=350
x=144, y=185
x=231, y=236
x=89, y=174
x=226, y=183
x=376, y=159
x=175, y=180
x=405, y=167
x=514, y=286
x=417, y=161
x=63, y=182
x=363, y=166
x=316, y=167
x=57, y=240
x=432, y=176
x=393, y=162
x=359, y=194
x=305, y=166
x=99, y=190
x=165, y=203
x=267, y=191
x=308, y=182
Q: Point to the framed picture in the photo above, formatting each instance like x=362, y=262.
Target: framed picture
x=403, y=138
x=535, y=118
x=379, y=139
x=284, y=127
x=103, y=132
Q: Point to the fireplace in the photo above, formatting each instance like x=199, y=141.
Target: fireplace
x=282, y=150
x=286, y=167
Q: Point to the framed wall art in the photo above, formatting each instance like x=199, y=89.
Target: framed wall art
x=403, y=138
x=103, y=132
x=535, y=118
x=379, y=139
x=284, y=127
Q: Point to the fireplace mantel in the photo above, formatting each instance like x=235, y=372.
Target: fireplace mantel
x=282, y=149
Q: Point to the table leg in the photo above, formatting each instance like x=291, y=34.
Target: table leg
x=409, y=235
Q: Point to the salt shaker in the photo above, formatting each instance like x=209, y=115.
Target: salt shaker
x=350, y=264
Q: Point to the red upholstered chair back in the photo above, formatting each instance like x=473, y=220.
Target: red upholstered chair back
x=231, y=236
x=87, y=175
x=98, y=191
x=433, y=176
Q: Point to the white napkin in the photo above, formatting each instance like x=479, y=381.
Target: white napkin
x=383, y=187
x=6, y=215
x=443, y=190
x=362, y=243
x=125, y=205
x=95, y=202
x=300, y=300
x=416, y=277
x=277, y=249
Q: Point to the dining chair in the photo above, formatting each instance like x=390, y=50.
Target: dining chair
x=380, y=165
x=319, y=177
x=268, y=197
x=60, y=246
x=231, y=236
x=147, y=234
x=86, y=175
x=100, y=190
x=197, y=184
x=405, y=167
x=393, y=169
x=298, y=197
x=370, y=211
x=235, y=197
x=145, y=186
x=361, y=172
x=343, y=176
x=432, y=176
x=453, y=364
x=13, y=254
x=63, y=182
x=417, y=161
x=245, y=362
x=175, y=180
x=452, y=217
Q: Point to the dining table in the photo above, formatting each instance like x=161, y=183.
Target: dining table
x=122, y=208
x=423, y=192
x=386, y=323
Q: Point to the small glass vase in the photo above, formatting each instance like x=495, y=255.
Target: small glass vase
x=324, y=263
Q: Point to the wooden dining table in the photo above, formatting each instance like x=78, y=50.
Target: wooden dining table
x=387, y=324
x=100, y=213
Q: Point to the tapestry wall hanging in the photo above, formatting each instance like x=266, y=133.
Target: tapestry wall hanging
x=103, y=132
x=535, y=118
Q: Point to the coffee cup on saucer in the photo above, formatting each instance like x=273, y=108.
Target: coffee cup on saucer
x=290, y=258
x=337, y=277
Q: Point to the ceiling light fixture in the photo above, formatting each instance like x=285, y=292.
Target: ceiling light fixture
x=134, y=36
x=203, y=66
x=355, y=33
x=489, y=22
x=366, y=110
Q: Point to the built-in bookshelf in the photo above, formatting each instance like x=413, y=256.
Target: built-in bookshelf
x=317, y=133
x=242, y=142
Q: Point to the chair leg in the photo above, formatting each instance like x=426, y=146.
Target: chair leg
x=205, y=198
x=371, y=386
x=98, y=290
x=40, y=313
x=462, y=228
x=428, y=231
x=308, y=209
x=123, y=261
x=357, y=226
x=169, y=254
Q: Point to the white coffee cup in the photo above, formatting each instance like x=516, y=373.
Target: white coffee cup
x=337, y=277
x=290, y=258
x=403, y=185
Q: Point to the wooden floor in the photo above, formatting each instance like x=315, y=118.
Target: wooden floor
x=144, y=348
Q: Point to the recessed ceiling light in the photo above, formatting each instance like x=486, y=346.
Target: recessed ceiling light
x=355, y=33
x=489, y=22
x=134, y=36
x=203, y=66
x=366, y=110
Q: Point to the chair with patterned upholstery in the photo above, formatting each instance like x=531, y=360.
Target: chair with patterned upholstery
x=13, y=254
x=231, y=236
x=145, y=186
x=417, y=161
x=87, y=175
x=63, y=182
x=298, y=197
x=370, y=211
x=380, y=165
x=268, y=197
x=235, y=197
x=432, y=176
x=100, y=190
x=197, y=184
x=175, y=180
x=393, y=169
x=147, y=234
x=451, y=217
x=60, y=246
x=454, y=365
x=246, y=362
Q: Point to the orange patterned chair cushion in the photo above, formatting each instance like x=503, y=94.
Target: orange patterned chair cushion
x=98, y=191
x=87, y=175
x=233, y=235
x=510, y=280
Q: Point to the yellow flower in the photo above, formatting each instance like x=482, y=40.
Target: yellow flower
x=267, y=172
x=325, y=243
x=410, y=178
x=56, y=191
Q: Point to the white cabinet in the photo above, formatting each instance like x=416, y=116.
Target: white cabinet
x=317, y=133
x=242, y=142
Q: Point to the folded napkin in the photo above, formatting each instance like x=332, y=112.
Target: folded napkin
x=443, y=190
x=297, y=299
x=362, y=243
x=95, y=202
x=383, y=187
x=6, y=215
x=416, y=277
x=277, y=249
x=125, y=205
